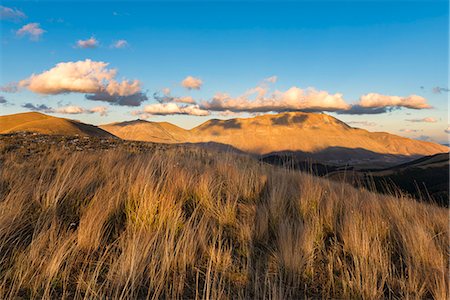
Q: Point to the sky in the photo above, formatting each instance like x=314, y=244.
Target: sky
x=381, y=66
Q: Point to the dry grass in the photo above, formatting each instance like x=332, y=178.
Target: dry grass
x=191, y=224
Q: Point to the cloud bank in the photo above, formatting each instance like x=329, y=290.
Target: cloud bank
x=256, y=100
x=164, y=109
x=192, y=83
x=89, y=77
x=32, y=30
x=260, y=99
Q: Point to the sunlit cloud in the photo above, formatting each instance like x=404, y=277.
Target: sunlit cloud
x=294, y=99
x=192, y=83
x=164, y=109
x=90, y=43
x=89, y=77
x=11, y=14
x=423, y=120
x=374, y=100
x=374, y=103
x=32, y=30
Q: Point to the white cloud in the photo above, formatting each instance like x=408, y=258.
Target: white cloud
x=424, y=120
x=120, y=44
x=89, y=77
x=171, y=109
x=33, y=30
x=192, y=83
x=89, y=43
x=447, y=130
x=11, y=14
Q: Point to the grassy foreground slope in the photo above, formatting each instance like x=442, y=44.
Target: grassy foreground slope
x=195, y=224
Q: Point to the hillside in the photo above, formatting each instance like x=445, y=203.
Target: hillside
x=140, y=130
x=185, y=223
x=44, y=124
x=326, y=137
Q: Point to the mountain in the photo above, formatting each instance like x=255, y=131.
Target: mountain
x=140, y=130
x=305, y=135
x=40, y=123
x=305, y=132
x=313, y=135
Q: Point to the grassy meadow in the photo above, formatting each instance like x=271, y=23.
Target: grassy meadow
x=186, y=223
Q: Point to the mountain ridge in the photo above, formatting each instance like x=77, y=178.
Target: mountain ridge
x=296, y=132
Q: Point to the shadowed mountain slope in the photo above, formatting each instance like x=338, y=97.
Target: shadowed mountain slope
x=40, y=123
x=426, y=178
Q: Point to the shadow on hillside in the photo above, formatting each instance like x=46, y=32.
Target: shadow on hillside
x=425, y=179
x=287, y=119
x=225, y=124
x=132, y=122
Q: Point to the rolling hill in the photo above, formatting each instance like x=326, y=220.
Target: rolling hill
x=44, y=124
x=140, y=130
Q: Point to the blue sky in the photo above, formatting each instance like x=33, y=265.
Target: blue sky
x=350, y=48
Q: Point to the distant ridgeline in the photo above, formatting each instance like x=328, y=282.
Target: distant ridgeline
x=319, y=137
